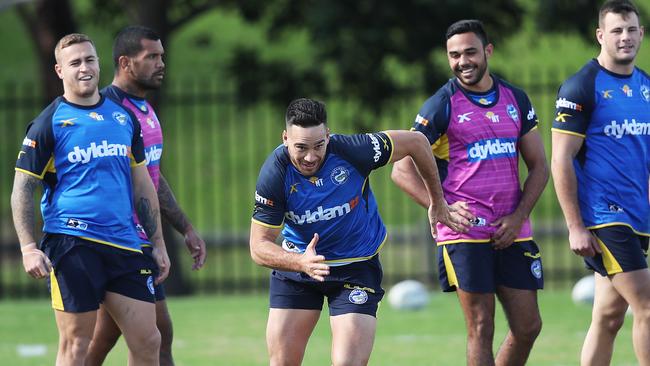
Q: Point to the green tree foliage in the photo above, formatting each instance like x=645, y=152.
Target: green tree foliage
x=358, y=37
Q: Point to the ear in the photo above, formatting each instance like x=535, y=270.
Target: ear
x=59, y=71
x=489, y=49
x=123, y=62
x=641, y=32
x=600, y=35
x=285, y=138
x=327, y=134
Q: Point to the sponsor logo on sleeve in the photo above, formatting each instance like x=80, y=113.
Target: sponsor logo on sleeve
x=531, y=114
x=29, y=142
x=421, y=120
x=564, y=103
x=263, y=200
x=376, y=147
x=153, y=154
x=561, y=117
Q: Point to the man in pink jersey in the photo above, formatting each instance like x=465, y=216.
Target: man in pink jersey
x=478, y=125
x=139, y=68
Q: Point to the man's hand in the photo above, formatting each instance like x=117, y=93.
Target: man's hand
x=36, y=263
x=457, y=217
x=162, y=260
x=583, y=243
x=196, y=246
x=312, y=263
x=508, y=228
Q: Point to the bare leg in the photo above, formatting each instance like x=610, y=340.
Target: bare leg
x=137, y=319
x=607, y=318
x=524, y=321
x=478, y=309
x=75, y=334
x=164, y=324
x=287, y=333
x=634, y=287
x=352, y=338
x=106, y=335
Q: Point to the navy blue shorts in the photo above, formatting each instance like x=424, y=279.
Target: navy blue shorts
x=159, y=290
x=623, y=251
x=352, y=288
x=478, y=267
x=83, y=271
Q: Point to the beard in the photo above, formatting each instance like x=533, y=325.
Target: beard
x=480, y=70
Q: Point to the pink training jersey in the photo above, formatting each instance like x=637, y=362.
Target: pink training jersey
x=480, y=140
x=151, y=134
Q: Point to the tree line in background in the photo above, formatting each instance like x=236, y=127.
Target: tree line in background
x=353, y=38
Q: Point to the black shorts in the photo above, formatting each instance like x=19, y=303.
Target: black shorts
x=351, y=288
x=622, y=251
x=83, y=271
x=478, y=267
x=159, y=290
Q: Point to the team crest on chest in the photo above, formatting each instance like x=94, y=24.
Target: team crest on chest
x=339, y=175
x=512, y=111
x=120, y=118
x=645, y=92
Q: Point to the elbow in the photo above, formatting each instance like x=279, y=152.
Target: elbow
x=397, y=174
x=255, y=255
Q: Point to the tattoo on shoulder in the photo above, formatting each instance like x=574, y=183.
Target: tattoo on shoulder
x=148, y=216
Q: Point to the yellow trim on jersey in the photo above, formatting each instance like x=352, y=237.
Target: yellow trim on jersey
x=110, y=244
x=363, y=186
x=449, y=267
x=534, y=127
x=618, y=224
x=568, y=132
x=57, y=300
x=48, y=167
x=359, y=259
x=267, y=225
x=392, y=146
x=440, y=148
x=133, y=162
x=478, y=241
x=609, y=261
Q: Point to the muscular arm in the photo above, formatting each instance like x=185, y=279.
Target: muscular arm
x=148, y=211
x=177, y=218
x=22, y=206
x=565, y=148
x=266, y=253
x=425, y=175
x=406, y=176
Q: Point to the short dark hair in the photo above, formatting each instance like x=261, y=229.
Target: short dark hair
x=69, y=40
x=306, y=112
x=128, y=41
x=623, y=7
x=466, y=26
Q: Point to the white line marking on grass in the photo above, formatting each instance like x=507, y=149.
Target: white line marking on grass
x=31, y=350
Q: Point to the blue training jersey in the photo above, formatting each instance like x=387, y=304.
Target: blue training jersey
x=83, y=155
x=337, y=202
x=612, y=113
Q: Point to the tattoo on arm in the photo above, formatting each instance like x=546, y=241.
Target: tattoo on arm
x=22, y=205
x=170, y=208
x=148, y=216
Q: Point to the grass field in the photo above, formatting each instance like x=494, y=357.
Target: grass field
x=230, y=331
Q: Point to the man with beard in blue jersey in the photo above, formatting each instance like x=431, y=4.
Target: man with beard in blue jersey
x=601, y=168
x=87, y=152
x=317, y=186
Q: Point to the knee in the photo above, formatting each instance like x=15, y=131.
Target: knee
x=612, y=322
x=480, y=327
x=284, y=359
x=147, y=343
x=529, y=331
x=347, y=360
x=75, y=347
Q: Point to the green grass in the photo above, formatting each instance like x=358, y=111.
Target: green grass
x=229, y=330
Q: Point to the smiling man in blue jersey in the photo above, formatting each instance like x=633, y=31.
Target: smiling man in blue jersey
x=601, y=168
x=317, y=187
x=87, y=152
